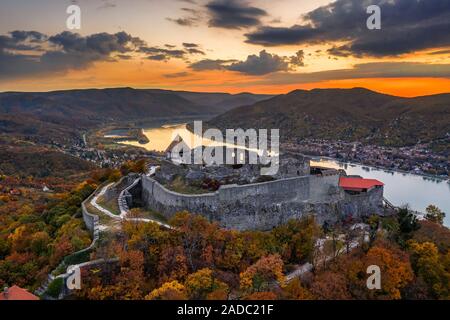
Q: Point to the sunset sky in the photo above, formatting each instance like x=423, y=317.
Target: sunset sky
x=259, y=46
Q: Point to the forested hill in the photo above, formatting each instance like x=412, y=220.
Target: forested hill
x=119, y=104
x=347, y=114
x=63, y=113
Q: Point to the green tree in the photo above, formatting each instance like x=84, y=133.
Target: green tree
x=434, y=214
x=407, y=223
x=297, y=239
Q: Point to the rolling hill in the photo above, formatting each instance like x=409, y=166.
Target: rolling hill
x=45, y=115
x=348, y=114
x=120, y=104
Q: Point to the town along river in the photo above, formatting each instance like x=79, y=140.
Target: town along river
x=400, y=188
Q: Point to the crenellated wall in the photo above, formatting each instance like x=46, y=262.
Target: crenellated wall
x=259, y=206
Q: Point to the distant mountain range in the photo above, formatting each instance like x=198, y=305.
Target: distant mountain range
x=348, y=114
x=63, y=113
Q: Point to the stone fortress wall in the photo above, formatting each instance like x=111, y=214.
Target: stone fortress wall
x=262, y=206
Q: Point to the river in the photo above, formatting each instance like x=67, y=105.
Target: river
x=400, y=188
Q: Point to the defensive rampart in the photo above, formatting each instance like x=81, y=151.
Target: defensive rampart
x=259, y=206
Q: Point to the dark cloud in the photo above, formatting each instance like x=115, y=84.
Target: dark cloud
x=32, y=36
x=156, y=53
x=107, y=4
x=340, y=51
x=22, y=40
x=193, y=48
x=190, y=45
x=158, y=57
x=124, y=56
x=299, y=59
x=261, y=64
x=233, y=14
x=185, y=22
x=176, y=75
x=192, y=18
x=208, y=64
x=195, y=51
x=102, y=44
x=28, y=53
x=60, y=52
x=363, y=70
x=447, y=51
x=407, y=26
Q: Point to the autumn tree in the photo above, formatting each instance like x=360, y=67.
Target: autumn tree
x=434, y=214
x=201, y=283
x=294, y=290
x=329, y=285
x=172, y=264
x=266, y=295
x=125, y=283
x=149, y=238
x=168, y=291
x=139, y=166
x=435, y=233
x=194, y=231
x=260, y=276
x=297, y=239
x=396, y=272
x=432, y=267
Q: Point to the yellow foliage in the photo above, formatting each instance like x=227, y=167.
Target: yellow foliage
x=168, y=291
x=199, y=281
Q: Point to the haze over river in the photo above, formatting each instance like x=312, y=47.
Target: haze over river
x=400, y=188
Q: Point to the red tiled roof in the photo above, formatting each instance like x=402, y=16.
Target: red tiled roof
x=17, y=293
x=359, y=183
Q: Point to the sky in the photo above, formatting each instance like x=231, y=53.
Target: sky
x=259, y=46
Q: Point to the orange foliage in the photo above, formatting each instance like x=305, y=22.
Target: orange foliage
x=262, y=274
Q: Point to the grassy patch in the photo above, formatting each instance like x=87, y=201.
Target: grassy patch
x=103, y=218
x=181, y=186
x=111, y=205
x=150, y=214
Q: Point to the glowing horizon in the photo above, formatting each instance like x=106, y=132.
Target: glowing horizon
x=199, y=46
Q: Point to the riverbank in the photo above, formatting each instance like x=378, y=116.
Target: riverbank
x=420, y=159
x=432, y=177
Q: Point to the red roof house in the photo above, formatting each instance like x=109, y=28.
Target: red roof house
x=16, y=293
x=359, y=184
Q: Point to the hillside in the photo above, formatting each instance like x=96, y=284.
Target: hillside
x=60, y=114
x=119, y=104
x=347, y=114
x=22, y=161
